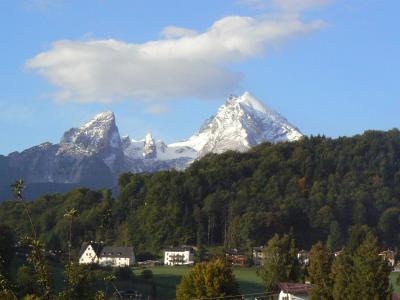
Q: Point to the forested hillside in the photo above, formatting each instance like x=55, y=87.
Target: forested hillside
x=317, y=188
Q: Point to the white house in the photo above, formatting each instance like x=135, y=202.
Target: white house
x=258, y=256
x=179, y=256
x=303, y=257
x=106, y=255
x=294, y=291
x=90, y=253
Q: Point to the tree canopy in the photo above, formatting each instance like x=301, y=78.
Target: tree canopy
x=317, y=185
x=206, y=280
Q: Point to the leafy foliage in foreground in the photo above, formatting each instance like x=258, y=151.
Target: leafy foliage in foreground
x=318, y=185
x=208, y=280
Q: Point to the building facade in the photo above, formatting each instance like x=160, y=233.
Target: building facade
x=303, y=257
x=97, y=253
x=235, y=258
x=258, y=256
x=179, y=256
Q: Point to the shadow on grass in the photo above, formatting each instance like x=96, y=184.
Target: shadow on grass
x=165, y=286
x=250, y=287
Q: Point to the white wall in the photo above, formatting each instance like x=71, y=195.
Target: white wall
x=285, y=296
x=169, y=257
x=88, y=256
x=116, y=261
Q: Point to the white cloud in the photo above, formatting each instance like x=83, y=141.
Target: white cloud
x=183, y=63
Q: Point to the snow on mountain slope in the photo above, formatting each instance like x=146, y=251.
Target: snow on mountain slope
x=149, y=147
x=92, y=137
x=160, y=151
x=239, y=124
x=94, y=154
x=99, y=137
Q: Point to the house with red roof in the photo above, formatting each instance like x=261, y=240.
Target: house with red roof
x=294, y=291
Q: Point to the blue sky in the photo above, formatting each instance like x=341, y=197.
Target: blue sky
x=330, y=67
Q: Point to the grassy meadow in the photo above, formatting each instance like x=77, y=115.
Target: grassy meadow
x=167, y=278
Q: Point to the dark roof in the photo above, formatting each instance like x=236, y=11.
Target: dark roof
x=295, y=288
x=110, y=251
x=258, y=249
x=180, y=249
x=97, y=247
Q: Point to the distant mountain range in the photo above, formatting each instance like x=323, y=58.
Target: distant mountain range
x=94, y=154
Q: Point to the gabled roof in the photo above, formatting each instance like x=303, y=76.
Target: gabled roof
x=295, y=288
x=111, y=251
x=97, y=247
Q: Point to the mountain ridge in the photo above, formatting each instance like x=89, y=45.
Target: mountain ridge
x=94, y=154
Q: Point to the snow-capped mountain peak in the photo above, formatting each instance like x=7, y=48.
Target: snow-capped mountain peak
x=248, y=100
x=149, y=148
x=94, y=154
x=94, y=136
x=99, y=119
x=240, y=123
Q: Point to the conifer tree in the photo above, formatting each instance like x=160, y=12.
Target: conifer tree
x=319, y=270
x=359, y=273
x=371, y=273
x=342, y=275
x=280, y=261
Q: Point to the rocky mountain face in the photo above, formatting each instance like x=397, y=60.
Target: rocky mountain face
x=239, y=124
x=94, y=154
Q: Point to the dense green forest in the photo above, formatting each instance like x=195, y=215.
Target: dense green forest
x=317, y=188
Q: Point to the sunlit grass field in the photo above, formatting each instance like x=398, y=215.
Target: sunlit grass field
x=167, y=278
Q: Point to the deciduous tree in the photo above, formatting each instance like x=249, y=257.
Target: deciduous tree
x=205, y=280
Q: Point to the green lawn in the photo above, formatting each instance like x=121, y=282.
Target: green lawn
x=167, y=278
x=249, y=281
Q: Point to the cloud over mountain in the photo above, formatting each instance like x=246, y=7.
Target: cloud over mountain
x=183, y=63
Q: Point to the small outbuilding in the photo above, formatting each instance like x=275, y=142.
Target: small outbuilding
x=235, y=258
